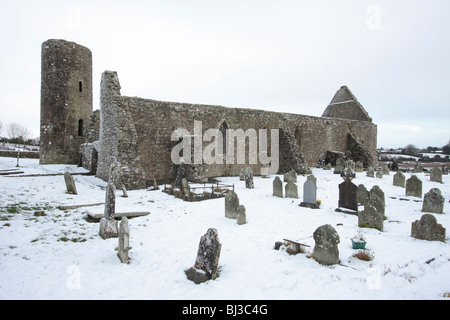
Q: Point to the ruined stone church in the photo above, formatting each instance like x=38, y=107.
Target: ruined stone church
x=135, y=133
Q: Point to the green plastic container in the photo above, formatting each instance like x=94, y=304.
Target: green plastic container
x=358, y=244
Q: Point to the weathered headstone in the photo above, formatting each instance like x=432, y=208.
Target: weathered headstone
x=207, y=261
x=241, y=216
x=427, y=228
x=349, y=164
x=110, y=201
x=362, y=195
x=181, y=173
x=379, y=174
x=399, y=179
x=70, y=183
x=377, y=199
x=414, y=187
x=433, y=201
x=241, y=175
x=313, y=178
x=291, y=190
x=339, y=167
x=370, y=172
x=445, y=169
x=108, y=225
x=124, y=241
x=248, y=178
x=385, y=171
x=370, y=218
x=309, y=194
x=347, y=195
x=326, y=249
x=436, y=174
x=277, y=187
x=359, y=166
x=155, y=185
x=327, y=166
x=418, y=168
x=185, y=186
x=290, y=176
x=231, y=204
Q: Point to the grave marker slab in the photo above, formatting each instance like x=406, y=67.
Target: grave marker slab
x=70, y=183
x=427, y=228
x=291, y=190
x=399, y=179
x=277, y=187
x=414, y=187
x=326, y=249
x=124, y=241
x=433, y=201
x=436, y=174
x=309, y=195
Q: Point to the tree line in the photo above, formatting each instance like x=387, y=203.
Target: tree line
x=16, y=133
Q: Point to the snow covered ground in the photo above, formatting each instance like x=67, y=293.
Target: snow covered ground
x=61, y=256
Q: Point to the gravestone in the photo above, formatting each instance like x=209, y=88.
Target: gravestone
x=185, y=186
x=241, y=175
x=359, y=166
x=124, y=240
x=108, y=225
x=339, y=167
x=436, y=174
x=277, y=187
x=433, y=201
x=313, y=178
x=377, y=199
x=327, y=166
x=155, y=185
x=418, y=168
x=290, y=176
x=70, y=183
x=207, y=261
x=370, y=218
x=445, y=169
x=124, y=191
x=349, y=164
x=231, y=204
x=414, y=187
x=370, y=172
x=399, y=179
x=309, y=195
x=347, y=195
x=248, y=178
x=427, y=228
x=379, y=174
x=291, y=190
x=362, y=195
x=385, y=171
x=326, y=249
x=241, y=216
x=181, y=173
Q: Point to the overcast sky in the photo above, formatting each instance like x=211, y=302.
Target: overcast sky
x=289, y=56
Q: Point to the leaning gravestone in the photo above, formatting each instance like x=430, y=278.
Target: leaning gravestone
x=70, y=183
x=309, y=195
x=370, y=218
x=326, y=249
x=427, y=228
x=108, y=225
x=241, y=216
x=231, y=205
x=277, y=187
x=433, y=201
x=291, y=190
x=399, y=179
x=124, y=241
x=436, y=174
x=290, y=176
x=248, y=178
x=207, y=261
x=414, y=187
x=370, y=172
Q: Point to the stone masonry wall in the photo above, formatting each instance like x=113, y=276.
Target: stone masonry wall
x=136, y=133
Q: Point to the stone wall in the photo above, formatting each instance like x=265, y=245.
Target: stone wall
x=136, y=133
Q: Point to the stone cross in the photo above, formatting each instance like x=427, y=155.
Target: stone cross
x=427, y=228
x=277, y=187
x=433, y=201
x=414, y=187
x=326, y=249
x=124, y=241
x=399, y=179
x=207, y=261
x=231, y=205
x=70, y=183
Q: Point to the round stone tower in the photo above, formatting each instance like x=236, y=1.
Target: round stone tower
x=66, y=100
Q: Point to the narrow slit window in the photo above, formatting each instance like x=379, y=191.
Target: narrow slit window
x=80, y=86
x=80, y=127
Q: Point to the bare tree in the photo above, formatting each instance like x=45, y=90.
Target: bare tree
x=17, y=131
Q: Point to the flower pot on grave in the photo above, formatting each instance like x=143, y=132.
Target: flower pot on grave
x=358, y=244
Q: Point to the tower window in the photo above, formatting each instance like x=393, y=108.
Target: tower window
x=80, y=86
x=80, y=127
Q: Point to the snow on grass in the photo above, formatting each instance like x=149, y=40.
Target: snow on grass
x=61, y=256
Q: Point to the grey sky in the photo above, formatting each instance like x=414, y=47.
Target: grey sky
x=289, y=56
